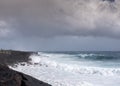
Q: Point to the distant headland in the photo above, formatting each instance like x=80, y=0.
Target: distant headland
x=14, y=56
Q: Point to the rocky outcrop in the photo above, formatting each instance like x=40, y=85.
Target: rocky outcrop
x=10, y=57
x=9, y=77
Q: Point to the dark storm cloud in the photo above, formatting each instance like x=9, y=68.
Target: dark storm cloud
x=50, y=18
x=109, y=0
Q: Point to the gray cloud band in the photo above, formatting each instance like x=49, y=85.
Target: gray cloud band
x=50, y=18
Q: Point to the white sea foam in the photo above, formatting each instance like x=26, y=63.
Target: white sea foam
x=46, y=61
x=89, y=55
x=45, y=67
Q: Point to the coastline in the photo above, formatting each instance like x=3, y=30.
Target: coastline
x=11, y=57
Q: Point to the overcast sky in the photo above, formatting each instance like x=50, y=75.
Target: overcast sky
x=69, y=25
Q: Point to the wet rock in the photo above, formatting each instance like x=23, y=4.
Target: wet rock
x=9, y=77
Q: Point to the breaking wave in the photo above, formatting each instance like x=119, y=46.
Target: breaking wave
x=98, y=57
x=87, y=56
x=67, y=69
x=46, y=60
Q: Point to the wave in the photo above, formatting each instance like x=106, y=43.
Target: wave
x=51, y=76
x=98, y=57
x=50, y=68
x=45, y=67
x=45, y=60
x=85, y=56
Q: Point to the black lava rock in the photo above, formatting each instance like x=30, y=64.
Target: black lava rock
x=10, y=57
x=9, y=77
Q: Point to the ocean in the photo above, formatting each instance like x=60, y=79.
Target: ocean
x=100, y=68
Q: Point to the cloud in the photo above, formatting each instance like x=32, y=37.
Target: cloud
x=51, y=18
x=4, y=31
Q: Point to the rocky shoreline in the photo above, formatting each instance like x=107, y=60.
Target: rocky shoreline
x=9, y=77
x=10, y=57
